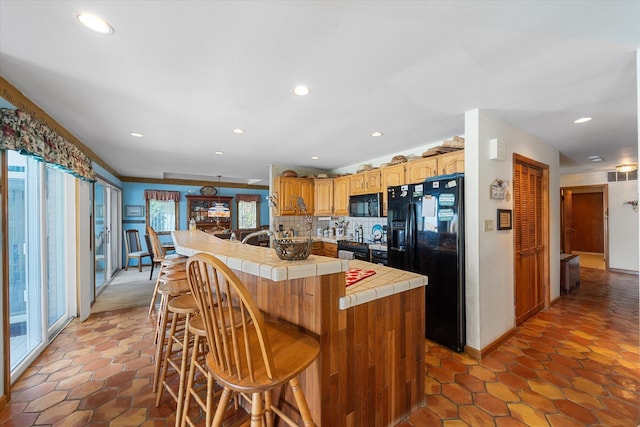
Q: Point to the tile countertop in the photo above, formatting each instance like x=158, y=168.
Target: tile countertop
x=256, y=260
x=263, y=262
x=387, y=281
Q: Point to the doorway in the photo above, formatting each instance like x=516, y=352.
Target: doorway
x=107, y=241
x=584, y=224
x=531, y=242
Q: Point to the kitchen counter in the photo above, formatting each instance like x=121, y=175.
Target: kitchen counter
x=370, y=369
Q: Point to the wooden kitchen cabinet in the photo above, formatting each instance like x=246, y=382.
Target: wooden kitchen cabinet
x=451, y=162
x=419, y=170
x=365, y=182
x=198, y=209
x=289, y=189
x=341, y=195
x=330, y=249
x=316, y=248
x=391, y=176
x=323, y=199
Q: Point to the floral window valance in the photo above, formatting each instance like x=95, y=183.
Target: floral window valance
x=248, y=198
x=22, y=133
x=162, y=195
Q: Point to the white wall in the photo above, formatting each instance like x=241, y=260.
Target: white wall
x=624, y=252
x=489, y=255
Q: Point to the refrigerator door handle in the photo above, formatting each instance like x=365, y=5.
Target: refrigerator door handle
x=410, y=228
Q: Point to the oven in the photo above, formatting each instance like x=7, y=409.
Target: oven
x=379, y=256
x=360, y=250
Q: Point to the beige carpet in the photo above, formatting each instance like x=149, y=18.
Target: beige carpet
x=127, y=289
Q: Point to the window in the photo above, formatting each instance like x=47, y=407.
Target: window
x=162, y=210
x=248, y=211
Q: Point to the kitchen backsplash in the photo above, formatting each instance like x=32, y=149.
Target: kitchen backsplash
x=297, y=224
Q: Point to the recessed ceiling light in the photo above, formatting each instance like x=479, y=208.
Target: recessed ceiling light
x=238, y=131
x=219, y=153
x=376, y=134
x=95, y=23
x=314, y=157
x=137, y=134
x=301, y=90
x=597, y=159
x=582, y=120
x=593, y=157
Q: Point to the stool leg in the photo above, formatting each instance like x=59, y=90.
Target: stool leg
x=298, y=394
x=222, y=406
x=256, y=409
x=183, y=367
x=189, y=386
x=160, y=338
x=165, y=359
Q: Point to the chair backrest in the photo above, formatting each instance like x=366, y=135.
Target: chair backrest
x=132, y=241
x=147, y=240
x=158, y=250
x=233, y=323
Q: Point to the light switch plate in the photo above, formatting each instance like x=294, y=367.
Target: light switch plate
x=488, y=225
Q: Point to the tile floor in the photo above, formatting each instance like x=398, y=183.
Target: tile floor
x=577, y=364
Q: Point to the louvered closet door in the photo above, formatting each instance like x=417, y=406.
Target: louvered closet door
x=529, y=243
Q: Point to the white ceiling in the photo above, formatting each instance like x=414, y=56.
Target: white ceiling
x=185, y=73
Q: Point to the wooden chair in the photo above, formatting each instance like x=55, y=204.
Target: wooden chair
x=153, y=258
x=134, y=249
x=255, y=356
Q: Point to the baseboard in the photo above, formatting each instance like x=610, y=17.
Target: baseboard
x=619, y=270
x=479, y=354
x=555, y=301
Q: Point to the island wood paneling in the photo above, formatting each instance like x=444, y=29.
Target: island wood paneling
x=370, y=371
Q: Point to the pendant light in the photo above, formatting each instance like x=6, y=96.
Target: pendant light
x=219, y=210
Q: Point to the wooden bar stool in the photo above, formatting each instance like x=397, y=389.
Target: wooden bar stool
x=166, y=261
x=251, y=359
x=173, y=286
x=197, y=368
x=176, y=355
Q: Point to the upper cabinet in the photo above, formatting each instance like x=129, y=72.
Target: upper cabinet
x=365, y=182
x=341, y=193
x=416, y=171
x=391, y=176
x=451, y=162
x=289, y=189
x=323, y=203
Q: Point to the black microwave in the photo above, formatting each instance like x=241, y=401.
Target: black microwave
x=365, y=205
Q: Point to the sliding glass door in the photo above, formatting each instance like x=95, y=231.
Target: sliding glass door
x=39, y=215
x=106, y=208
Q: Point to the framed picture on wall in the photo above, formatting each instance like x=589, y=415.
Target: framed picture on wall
x=134, y=210
x=505, y=219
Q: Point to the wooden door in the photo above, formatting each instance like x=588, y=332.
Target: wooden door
x=567, y=223
x=451, y=162
x=528, y=228
x=419, y=170
x=306, y=192
x=323, y=197
x=391, y=176
x=356, y=184
x=341, y=196
x=372, y=182
x=588, y=222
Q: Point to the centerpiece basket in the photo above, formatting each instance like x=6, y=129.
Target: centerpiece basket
x=292, y=249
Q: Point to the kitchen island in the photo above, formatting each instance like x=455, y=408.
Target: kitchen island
x=370, y=370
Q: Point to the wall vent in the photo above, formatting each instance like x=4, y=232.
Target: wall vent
x=614, y=176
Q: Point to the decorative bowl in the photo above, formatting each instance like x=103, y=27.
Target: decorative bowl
x=292, y=249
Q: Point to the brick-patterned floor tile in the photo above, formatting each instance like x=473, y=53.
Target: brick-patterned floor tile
x=574, y=364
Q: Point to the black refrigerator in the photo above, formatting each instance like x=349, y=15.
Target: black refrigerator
x=426, y=235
